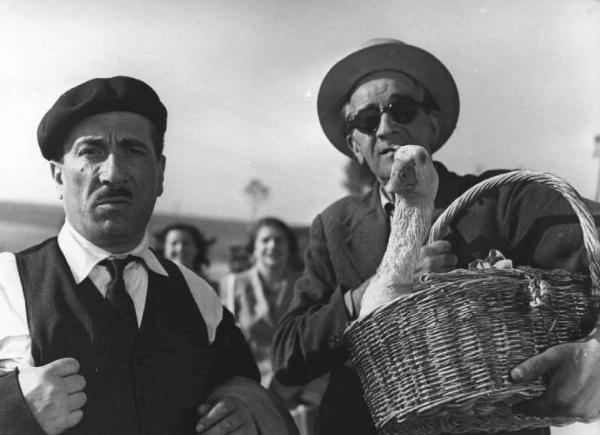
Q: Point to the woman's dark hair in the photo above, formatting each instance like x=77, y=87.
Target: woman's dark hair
x=270, y=221
x=201, y=242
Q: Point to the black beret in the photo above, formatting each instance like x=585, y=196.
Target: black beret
x=99, y=95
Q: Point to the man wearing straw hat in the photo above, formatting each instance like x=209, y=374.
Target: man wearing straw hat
x=381, y=97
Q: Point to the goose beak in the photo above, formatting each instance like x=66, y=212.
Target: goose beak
x=403, y=177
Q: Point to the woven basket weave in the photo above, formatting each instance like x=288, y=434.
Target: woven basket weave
x=438, y=360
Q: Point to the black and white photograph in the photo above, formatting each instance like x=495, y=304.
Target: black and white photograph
x=285, y=217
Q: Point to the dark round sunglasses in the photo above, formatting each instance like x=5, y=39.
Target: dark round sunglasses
x=403, y=110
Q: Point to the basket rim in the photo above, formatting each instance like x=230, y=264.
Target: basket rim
x=425, y=279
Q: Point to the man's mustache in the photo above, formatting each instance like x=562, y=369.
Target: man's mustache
x=114, y=192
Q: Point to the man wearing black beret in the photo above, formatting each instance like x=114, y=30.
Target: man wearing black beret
x=97, y=334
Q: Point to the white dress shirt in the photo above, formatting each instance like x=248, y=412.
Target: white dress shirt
x=83, y=257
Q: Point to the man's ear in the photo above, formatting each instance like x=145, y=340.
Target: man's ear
x=162, y=162
x=57, y=177
x=354, y=149
x=435, y=121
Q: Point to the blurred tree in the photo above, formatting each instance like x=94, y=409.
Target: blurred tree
x=257, y=192
x=358, y=179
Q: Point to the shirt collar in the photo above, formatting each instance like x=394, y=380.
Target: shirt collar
x=82, y=255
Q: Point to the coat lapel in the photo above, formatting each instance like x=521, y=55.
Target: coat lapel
x=367, y=236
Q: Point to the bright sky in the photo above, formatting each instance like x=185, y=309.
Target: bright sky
x=240, y=80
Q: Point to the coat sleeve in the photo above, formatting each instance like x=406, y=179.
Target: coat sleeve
x=233, y=353
x=307, y=342
x=542, y=229
x=15, y=416
x=530, y=223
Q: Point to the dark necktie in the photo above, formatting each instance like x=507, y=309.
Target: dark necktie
x=116, y=293
x=389, y=209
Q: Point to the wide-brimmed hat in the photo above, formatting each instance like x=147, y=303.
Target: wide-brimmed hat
x=378, y=55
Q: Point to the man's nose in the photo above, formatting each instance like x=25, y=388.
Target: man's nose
x=386, y=126
x=113, y=169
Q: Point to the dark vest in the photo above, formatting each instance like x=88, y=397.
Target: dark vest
x=150, y=383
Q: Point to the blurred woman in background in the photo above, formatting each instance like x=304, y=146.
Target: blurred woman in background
x=186, y=245
x=259, y=297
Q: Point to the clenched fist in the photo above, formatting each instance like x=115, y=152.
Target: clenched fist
x=54, y=394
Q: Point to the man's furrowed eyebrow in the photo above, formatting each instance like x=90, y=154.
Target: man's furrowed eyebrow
x=91, y=140
x=132, y=142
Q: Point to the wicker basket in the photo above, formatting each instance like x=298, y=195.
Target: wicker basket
x=438, y=360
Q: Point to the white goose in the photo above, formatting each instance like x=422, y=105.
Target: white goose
x=414, y=184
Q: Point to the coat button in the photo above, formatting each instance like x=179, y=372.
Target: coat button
x=335, y=341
